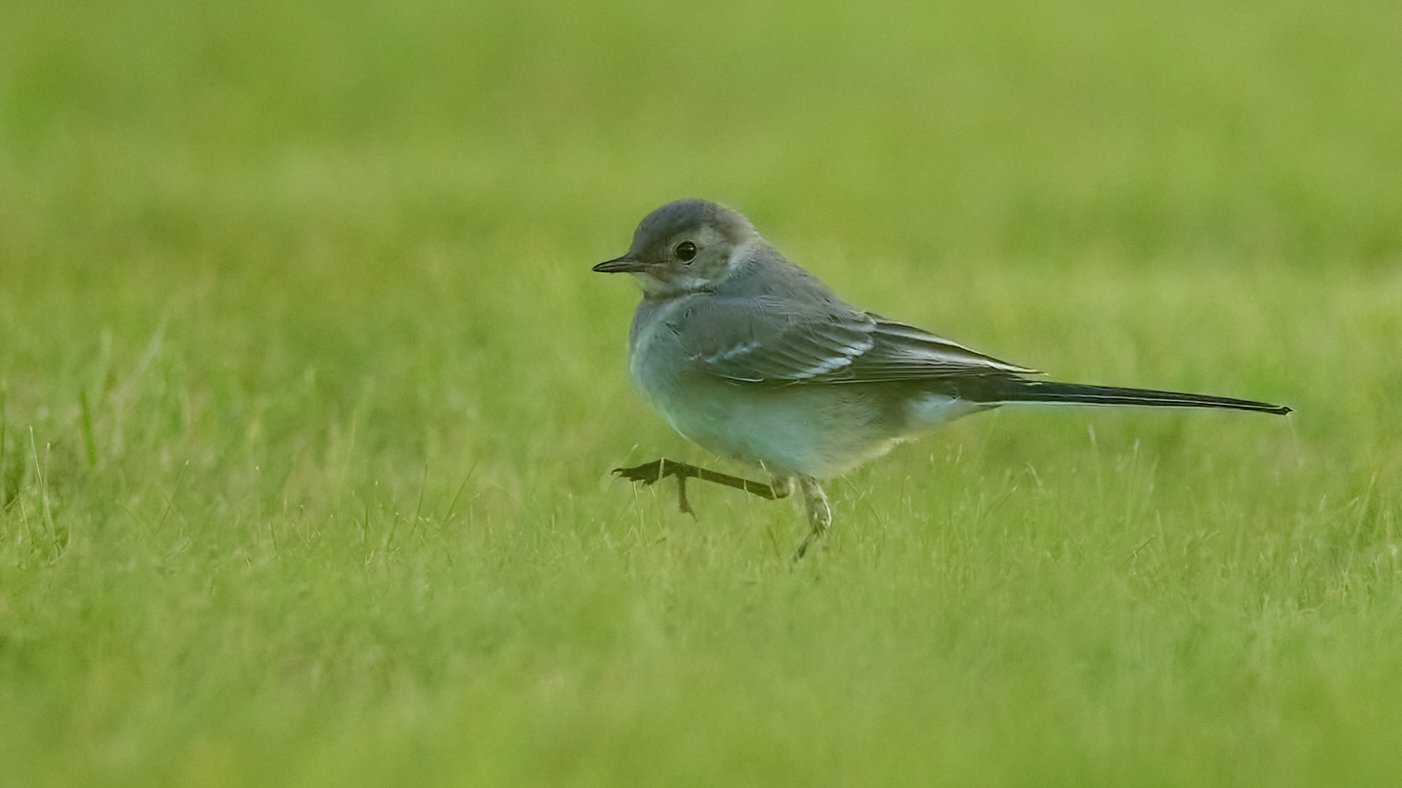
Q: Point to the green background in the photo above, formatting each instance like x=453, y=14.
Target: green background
x=308, y=397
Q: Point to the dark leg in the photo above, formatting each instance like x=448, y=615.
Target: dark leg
x=650, y=472
x=819, y=513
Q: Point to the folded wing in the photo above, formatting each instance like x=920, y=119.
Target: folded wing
x=768, y=341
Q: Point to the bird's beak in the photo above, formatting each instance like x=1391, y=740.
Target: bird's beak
x=621, y=265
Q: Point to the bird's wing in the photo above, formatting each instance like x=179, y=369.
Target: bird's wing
x=769, y=340
x=900, y=352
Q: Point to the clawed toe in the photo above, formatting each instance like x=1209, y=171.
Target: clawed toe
x=647, y=473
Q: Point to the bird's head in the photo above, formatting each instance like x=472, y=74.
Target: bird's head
x=683, y=247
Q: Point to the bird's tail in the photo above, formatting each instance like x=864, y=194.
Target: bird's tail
x=1022, y=390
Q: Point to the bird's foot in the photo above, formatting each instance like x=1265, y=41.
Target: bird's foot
x=650, y=472
x=815, y=501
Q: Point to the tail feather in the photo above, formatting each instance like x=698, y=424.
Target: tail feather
x=1022, y=390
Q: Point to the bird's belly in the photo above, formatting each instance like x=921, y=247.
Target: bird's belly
x=819, y=431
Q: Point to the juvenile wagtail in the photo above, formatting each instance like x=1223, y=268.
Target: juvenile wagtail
x=753, y=358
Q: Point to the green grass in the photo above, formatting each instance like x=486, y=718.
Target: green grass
x=308, y=397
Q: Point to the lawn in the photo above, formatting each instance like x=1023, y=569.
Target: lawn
x=309, y=399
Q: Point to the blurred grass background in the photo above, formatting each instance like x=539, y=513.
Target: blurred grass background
x=308, y=397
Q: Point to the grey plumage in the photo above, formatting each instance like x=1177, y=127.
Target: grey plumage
x=754, y=358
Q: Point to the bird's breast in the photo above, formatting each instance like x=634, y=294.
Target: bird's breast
x=656, y=355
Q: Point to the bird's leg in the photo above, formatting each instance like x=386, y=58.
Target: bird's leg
x=819, y=513
x=650, y=472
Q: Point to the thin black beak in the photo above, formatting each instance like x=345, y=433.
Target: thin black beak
x=621, y=265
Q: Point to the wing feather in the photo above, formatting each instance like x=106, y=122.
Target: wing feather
x=772, y=342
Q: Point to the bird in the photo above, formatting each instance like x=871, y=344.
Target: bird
x=753, y=358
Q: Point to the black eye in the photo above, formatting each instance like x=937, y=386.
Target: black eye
x=686, y=251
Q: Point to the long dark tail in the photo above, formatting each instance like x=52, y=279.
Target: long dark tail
x=1021, y=390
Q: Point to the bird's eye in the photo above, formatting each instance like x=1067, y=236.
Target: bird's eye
x=686, y=251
